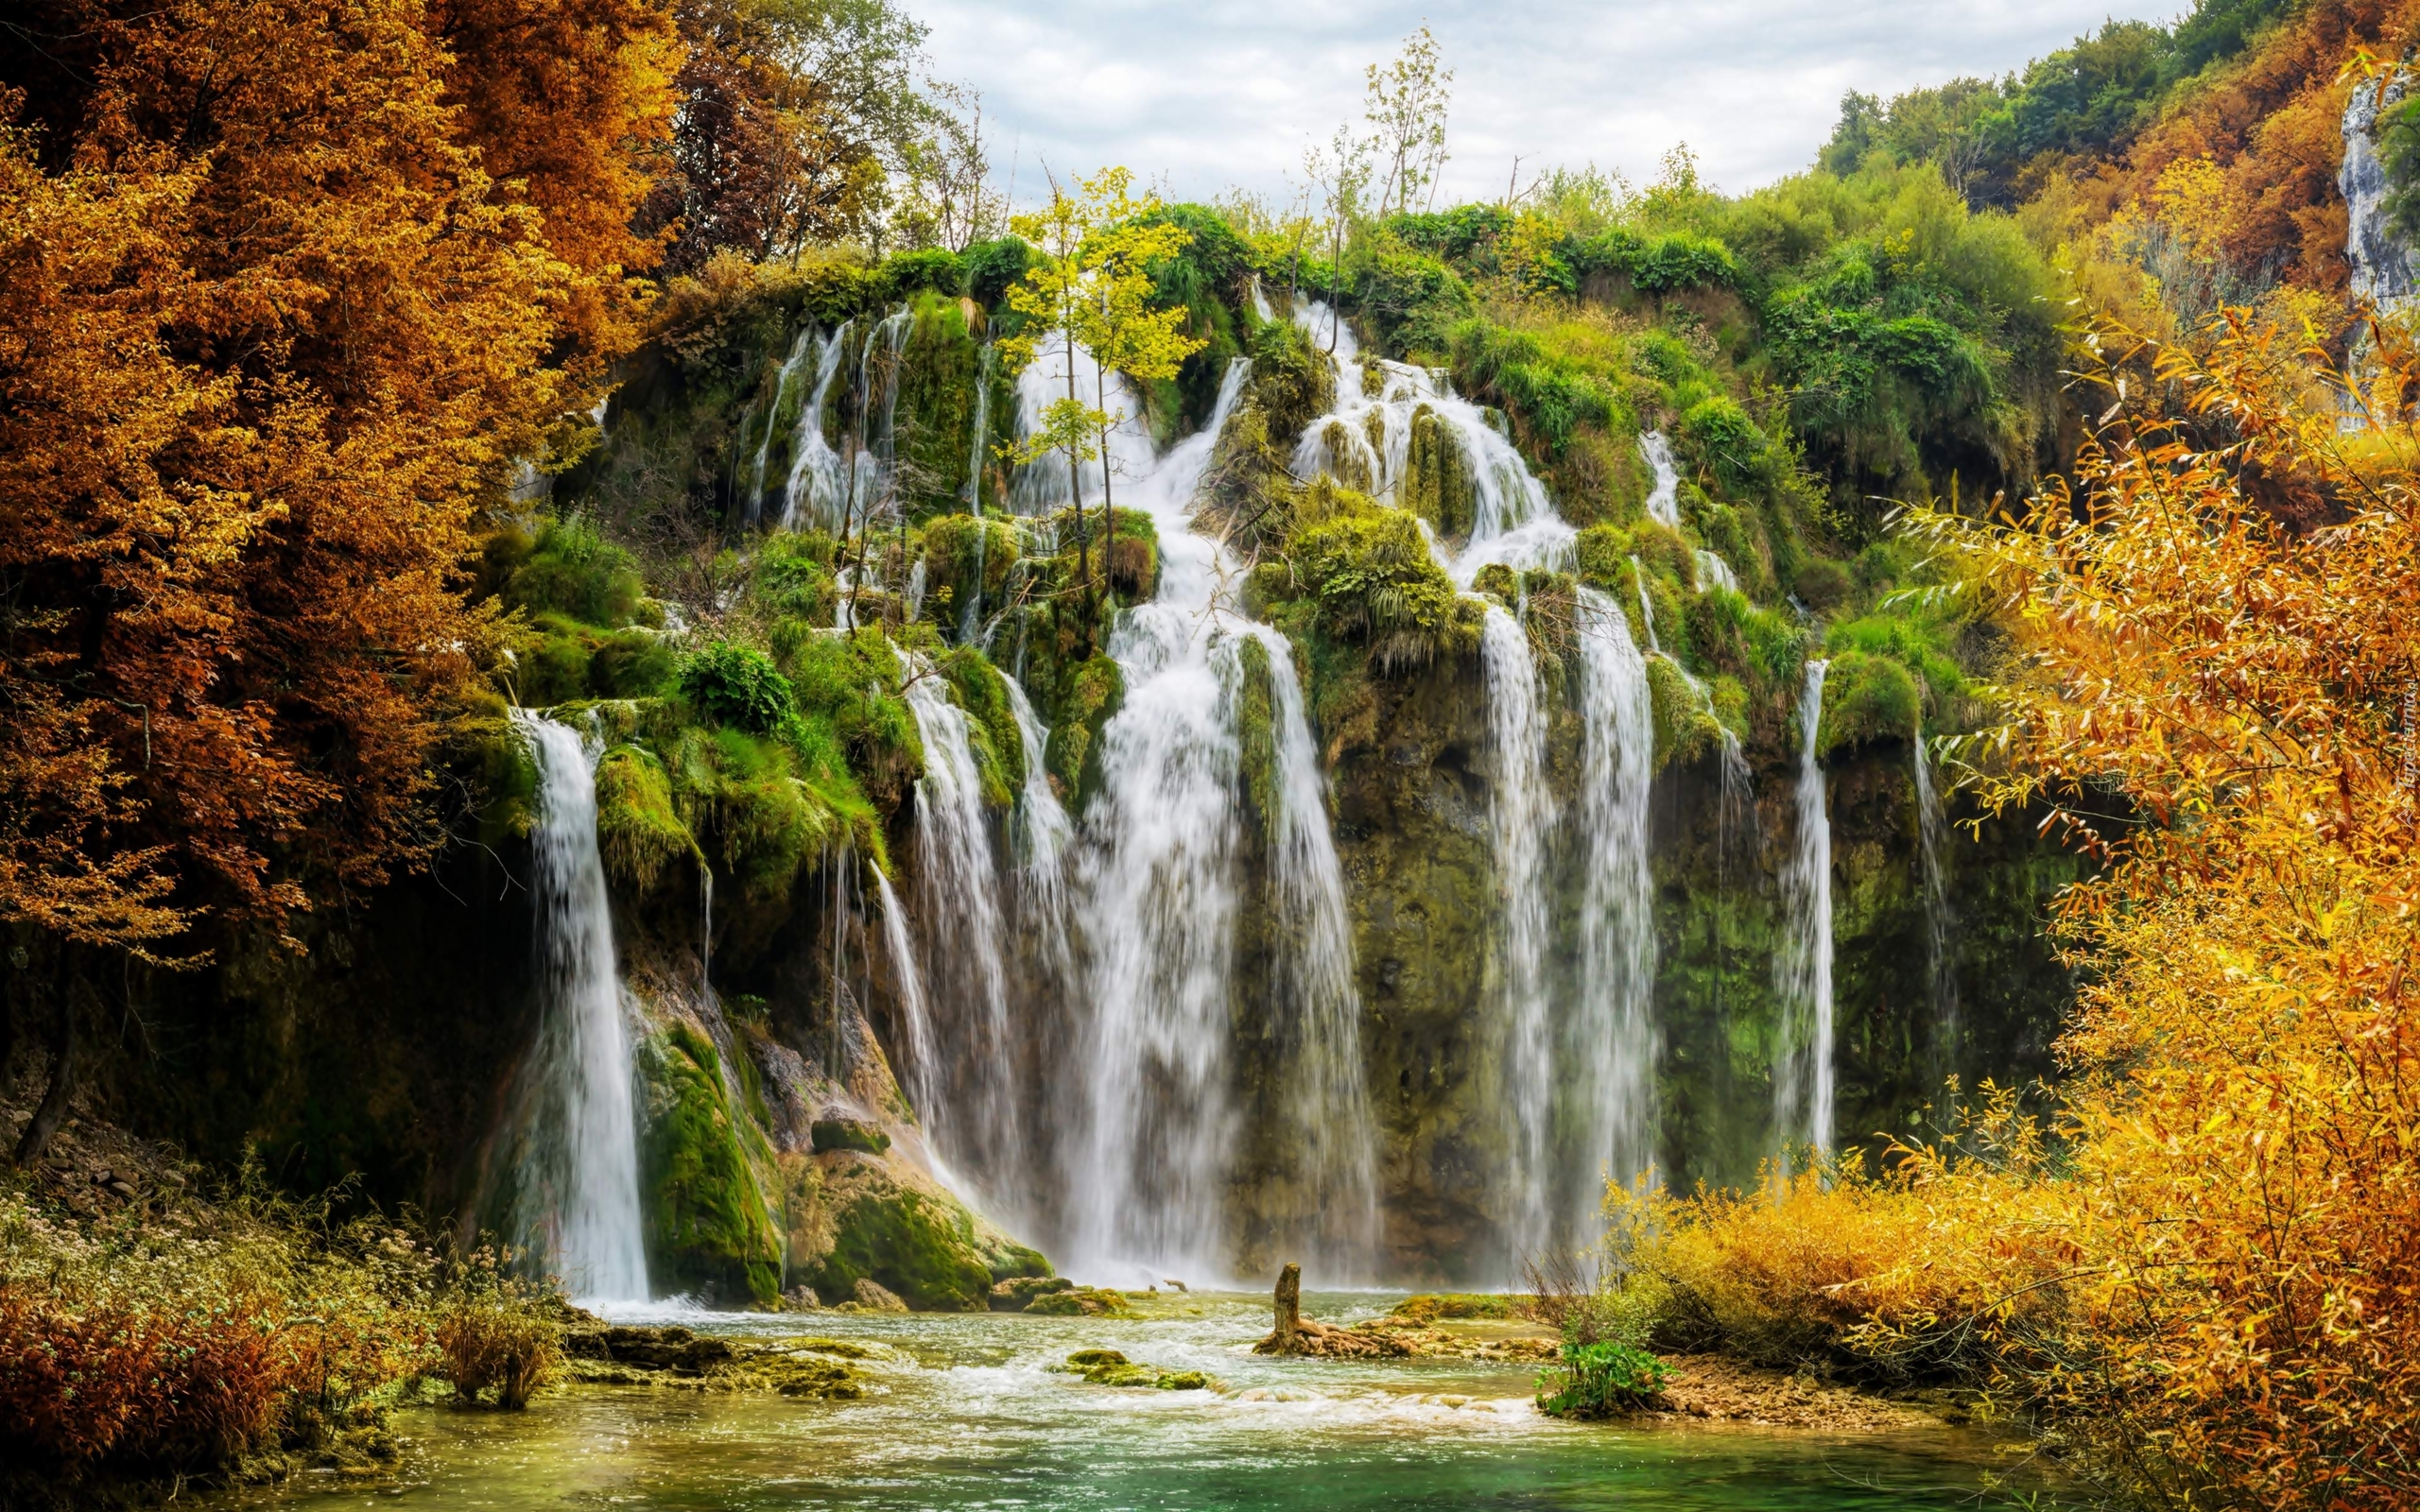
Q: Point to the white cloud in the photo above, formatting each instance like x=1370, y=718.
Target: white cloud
x=1228, y=92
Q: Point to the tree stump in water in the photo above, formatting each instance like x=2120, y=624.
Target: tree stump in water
x=1290, y=1308
x=1297, y=1334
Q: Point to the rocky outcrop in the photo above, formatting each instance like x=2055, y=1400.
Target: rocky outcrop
x=2384, y=269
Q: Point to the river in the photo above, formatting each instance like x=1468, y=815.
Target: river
x=961, y=1412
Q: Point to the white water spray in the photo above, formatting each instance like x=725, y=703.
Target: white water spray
x=1521, y=814
x=583, y=1192
x=1612, y=1041
x=1664, y=497
x=1939, y=921
x=971, y=1107
x=1803, y=1068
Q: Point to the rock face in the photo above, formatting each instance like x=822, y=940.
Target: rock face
x=2384, y=270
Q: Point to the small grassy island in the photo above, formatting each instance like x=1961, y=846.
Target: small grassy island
x=705, y=803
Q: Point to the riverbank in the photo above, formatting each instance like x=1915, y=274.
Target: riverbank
x=965, y=1410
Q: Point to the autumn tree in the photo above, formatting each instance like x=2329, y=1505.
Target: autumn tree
x=2237, y=1232
x=271, y=338
x=791, y=113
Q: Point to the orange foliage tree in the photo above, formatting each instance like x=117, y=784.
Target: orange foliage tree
x=271, y=334
x=2237, y=1239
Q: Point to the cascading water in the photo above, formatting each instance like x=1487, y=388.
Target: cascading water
x=1159, y=890
x=1577, y=1098
x=1713, y=572
x=818, y=480
x=580, y=1188
x=1646, y=607
x=970, y=1105
x=1612, y=1041
x=923, y=1078
x=1803, y=969
x=970, y=619
x=782, y=383
x=1664, y=496
x=1520, y=815
x=1942, y=976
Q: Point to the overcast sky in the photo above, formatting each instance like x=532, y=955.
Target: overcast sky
x=1214, y=93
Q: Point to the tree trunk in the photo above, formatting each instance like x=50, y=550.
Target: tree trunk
x=1290, y=1308
x=53, y=1111
x=1107, y=517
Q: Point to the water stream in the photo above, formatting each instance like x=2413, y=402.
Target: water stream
x=1574, y=1050
x=961, y=1411
x=1803, y=1068
x=578, y=1186
x=970, y=1105
x=1940, y=921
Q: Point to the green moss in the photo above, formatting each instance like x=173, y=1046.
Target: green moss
x=1256, y=733
x=957, y=548
x=1091, y=697
x=1866, y=697
x=707, y=1229
x=1134, y=556
x=918, y=1246
x=636, y=828
x=1436, y=483
x=1684, y=728
x=998, y=743
x=1371, y=575
x=851, y=682
x=736, y=685
x=573, y=570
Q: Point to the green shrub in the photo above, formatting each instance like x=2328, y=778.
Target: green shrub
x=736, y=685
x=1600, y=1381
x=575, y=571
x=1369, y=570
x=1866, y=698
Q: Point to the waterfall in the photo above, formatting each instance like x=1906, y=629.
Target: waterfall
x=705, y=932
x=1664, y=499
x=1646, y=607
x=1940, y=970
x=1366, y=441
x=970, y=616
x=1520, y=814
x=1713, y=572
x=1613, y=1042
x=1043, y=832
x=969, y=1100
x=1159, y=890
x=922, y=1080
x=799, y=350
x=1043, y=485
x=1577, y=1094
x=1330, y=1102
x=817, y=480
x=581, y=1193
x=1803, y=969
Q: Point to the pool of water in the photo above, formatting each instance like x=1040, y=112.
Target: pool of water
x=961, y=1413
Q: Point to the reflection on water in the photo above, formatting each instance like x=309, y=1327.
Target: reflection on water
x=961, y=1413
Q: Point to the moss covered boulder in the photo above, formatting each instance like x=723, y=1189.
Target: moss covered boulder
x=708, y=1233
x=919, y=1243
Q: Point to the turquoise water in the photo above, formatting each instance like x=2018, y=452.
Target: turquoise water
x=961, y=1414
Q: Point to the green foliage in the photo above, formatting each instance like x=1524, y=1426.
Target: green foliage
x=708, y=1230
x=1723, y=440
x=2090, y=97
x=1601, y=1380
x=1414, y=301
x=736, y=685
x=1371, y=575
x=928, y=272
x=637, y=829
x=1866, y=697
x=573, y=570
x=791, y=577
x=989, y=268
x=849, y=683
x=1685, y=727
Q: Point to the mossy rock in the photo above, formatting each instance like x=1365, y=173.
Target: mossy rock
x=829, y=1134
x=1437, y=476
x=1081, y=1301
x=920, y=1244
x=708, y=1230
x=636, y=828
x=1091, y=697
x=1107, y=1367
x=1866, y=698
x=1686, y=729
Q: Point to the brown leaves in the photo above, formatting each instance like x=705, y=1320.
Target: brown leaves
x=270, y=334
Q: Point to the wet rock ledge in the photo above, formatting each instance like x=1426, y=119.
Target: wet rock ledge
x=613, y=1355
